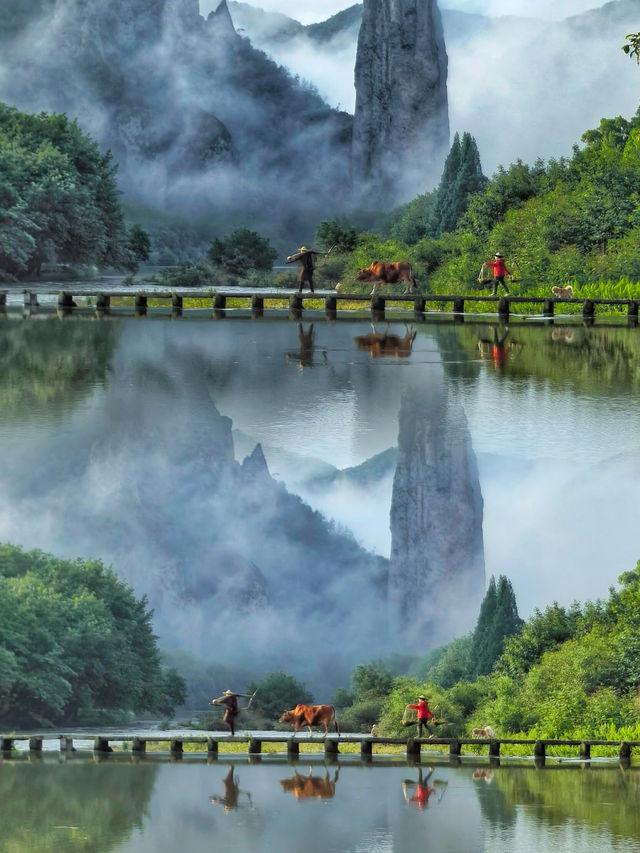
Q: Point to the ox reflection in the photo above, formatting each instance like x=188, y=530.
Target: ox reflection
x=384, y=344
x=311, y=787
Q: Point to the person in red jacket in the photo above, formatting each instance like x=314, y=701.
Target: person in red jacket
x=499, y=272
x=424, y=714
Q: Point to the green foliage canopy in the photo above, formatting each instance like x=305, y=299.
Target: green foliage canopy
x=59, y=200
x=74, y=640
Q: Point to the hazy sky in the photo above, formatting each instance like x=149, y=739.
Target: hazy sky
x=318, y=10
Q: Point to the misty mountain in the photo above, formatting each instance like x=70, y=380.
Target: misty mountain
x=196, y=117
x=524, y=87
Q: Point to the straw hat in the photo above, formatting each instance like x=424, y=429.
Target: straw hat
x=497, y=255
x=303, y=249
x=227, y=693
x=423, y=697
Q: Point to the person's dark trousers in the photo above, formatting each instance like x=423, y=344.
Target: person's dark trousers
x=426, y=725
x=496, y=282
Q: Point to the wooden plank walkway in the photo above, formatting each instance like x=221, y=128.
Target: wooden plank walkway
x=257, y=300
x=329, y=743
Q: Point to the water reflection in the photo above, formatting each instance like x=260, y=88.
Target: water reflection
x=497, y=349
x=417, y=793
x=47, y=807
x=232, y=793
x=304, y=354
x=311, y=787
x=380, y=344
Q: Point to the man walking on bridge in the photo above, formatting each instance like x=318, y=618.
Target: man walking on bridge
x=306, y=258
x=499, y=272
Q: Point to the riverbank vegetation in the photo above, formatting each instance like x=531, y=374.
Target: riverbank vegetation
x=567, y=672
x=59, y=200
x=574, y=220
x=76, y=645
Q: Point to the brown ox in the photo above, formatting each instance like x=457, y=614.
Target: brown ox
x=311, y=715
x=305, y=787
x=380, y=272
x=383, y=344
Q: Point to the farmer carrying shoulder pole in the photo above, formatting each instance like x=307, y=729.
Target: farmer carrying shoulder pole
x=499, y=272
x=306, y=258
x=230, y=700
x=424, y=715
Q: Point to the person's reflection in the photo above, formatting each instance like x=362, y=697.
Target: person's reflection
x=496, y=349
x=304, y=355
x=306, y=787
x=423, y=789
x=232, y=793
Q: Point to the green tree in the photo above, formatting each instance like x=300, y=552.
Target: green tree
x=371, y=681
x=139, y=245
x=278, y=692
x=497, y=621
x=240, y=251
x=461, y=178
x=337, y=234
x=73, y=641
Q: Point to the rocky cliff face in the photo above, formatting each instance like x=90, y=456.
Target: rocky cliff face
x=436, y=576
x=401, y=122
x=195, y=116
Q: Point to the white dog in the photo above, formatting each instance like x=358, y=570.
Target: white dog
x=486, y=732
x=563, y=292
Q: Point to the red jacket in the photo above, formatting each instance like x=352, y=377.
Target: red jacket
x=499, y=267
x=423, y=710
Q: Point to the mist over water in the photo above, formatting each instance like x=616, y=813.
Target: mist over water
x=247, y=488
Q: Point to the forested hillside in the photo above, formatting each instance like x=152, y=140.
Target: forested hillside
x=59, y=201
x=565, y=672
x=75, y=644
x=573, y=220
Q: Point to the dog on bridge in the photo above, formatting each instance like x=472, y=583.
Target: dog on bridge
x=486, y=732
x=562, y=292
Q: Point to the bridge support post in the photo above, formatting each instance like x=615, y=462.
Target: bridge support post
x=585, y=749
x=101, y=744
x=66, y=301
x=540, y=752
x=66, y=744
x=138, y=746
x=257, y=306
x=295, y=305
x=419, y=305
x=494, y=748
x=455, y=747
x=219, y=302
x=331, y=306
x=176, y=303
x=6, y=744
x=140, y=303
x=212, y=747
x=175, y=747
x=3, y=300
x=413, y=750
x=366, y=750
x=377, y=307
x=103, y=302
x=293, y=748
x=588, y=311
x=255, y=746
x=625, y=752
x=330, y=748
x=503, y=309
x=632, y=313
x=35, y=744
x=30, y=299
x=548, y=308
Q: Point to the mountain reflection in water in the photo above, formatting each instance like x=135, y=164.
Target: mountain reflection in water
x=159, y=807
x=263, y=471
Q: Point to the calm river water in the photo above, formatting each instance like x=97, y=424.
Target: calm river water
x=117, y=438
x=193, y=807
